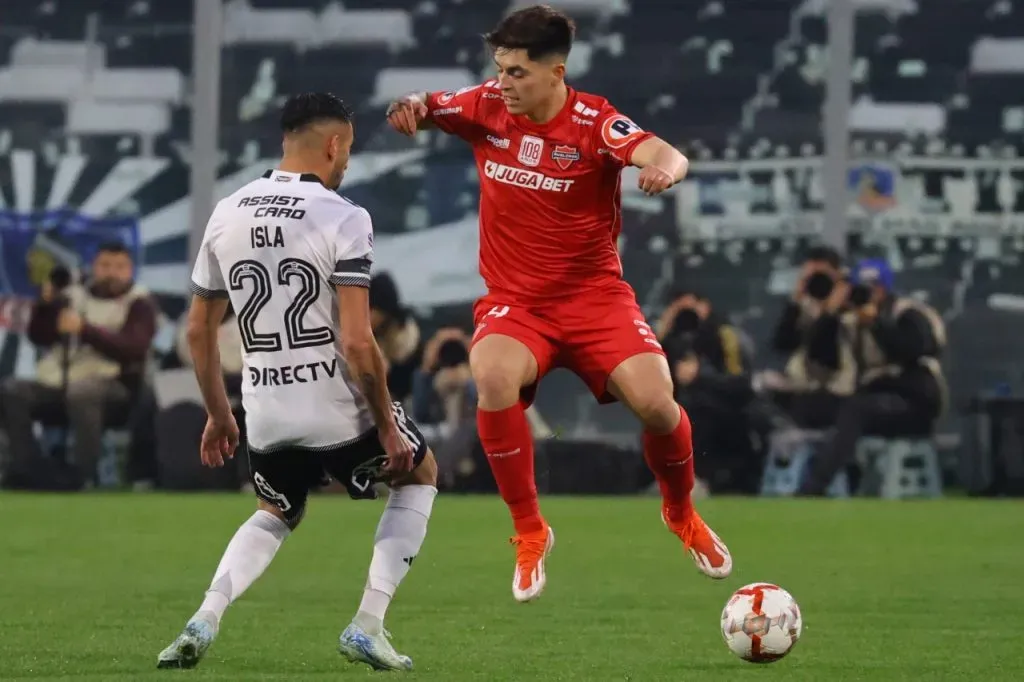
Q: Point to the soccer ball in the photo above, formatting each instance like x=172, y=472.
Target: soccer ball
x=761, y=622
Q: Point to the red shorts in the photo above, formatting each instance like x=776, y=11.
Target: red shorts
x=590, y=334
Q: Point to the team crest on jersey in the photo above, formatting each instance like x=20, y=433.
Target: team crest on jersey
x=445, y=97
x=530, y=150
x=565, y=156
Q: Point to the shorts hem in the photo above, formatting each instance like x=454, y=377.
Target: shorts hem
x=280, y=447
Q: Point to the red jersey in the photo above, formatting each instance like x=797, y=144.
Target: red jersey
x=549, y=193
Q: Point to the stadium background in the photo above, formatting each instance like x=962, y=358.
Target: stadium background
x=108, y=125
x=96, y=118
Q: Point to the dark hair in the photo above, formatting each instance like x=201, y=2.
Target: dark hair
x=824, y=254
x=685, y=290
x=311, y=107
x=113, y=247
x=540, y=30
x=384, y=296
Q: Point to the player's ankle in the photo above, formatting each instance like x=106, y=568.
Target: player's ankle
x=531, y=523
x=213, y=619
x=369, y=623
x=677, y=512
x=213, y=607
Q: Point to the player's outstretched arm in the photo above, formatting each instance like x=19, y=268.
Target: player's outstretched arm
x=662, y=165
x=408, y=114
x=204, y=319
x=363, y=354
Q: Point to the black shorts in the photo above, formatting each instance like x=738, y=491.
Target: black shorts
x=284, y=477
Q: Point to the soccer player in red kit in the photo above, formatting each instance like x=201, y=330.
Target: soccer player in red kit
x=549, y=159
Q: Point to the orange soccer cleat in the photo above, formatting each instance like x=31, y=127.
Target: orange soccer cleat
x=705, y=547
x=531, y=550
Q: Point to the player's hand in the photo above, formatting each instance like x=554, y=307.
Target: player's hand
x=654, y=180
x=399, y=450
x=220, y=438
x=405, y=114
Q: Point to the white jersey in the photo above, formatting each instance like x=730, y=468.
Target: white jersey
x=278, y=247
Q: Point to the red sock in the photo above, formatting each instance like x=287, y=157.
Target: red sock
x=670, y=457
x=505, y=435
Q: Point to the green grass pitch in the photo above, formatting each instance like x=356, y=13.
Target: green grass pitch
x=92, y=587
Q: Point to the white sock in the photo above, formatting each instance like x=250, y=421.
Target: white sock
x=247, y=555
x=400, y=534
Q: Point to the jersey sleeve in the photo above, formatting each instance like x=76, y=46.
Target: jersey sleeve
x=619, y=135
x=207, y=280
x=458, y=113
x=353, y=250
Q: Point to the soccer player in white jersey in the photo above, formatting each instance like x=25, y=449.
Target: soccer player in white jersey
x=293, y=258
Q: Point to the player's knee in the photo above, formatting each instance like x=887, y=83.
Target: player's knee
x=497, y=385
x=424, y=474
x=501, y=366
x=657, y=409
x=496, y=391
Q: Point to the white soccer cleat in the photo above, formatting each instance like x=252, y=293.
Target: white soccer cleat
x=358, y=646
x=529, y=578
x=189, y=648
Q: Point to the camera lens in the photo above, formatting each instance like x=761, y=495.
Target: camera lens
x=452, y=353
x=860, y=295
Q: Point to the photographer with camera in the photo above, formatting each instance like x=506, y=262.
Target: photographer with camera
x=817, y=378
x=896, y=342
x=443, y=394
x=95, y=339
x=442, y=388
x=712, y=381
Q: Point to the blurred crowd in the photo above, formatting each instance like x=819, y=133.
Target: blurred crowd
x=102, y=388
x=857, y=358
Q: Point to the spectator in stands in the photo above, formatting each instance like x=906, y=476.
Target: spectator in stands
x=442, y=388
x=95, y=339
x=896, y=342
x=397, y=334
x=815, y=383
x=711, y=372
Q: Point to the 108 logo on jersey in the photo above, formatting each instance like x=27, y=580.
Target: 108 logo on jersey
x=530, y=150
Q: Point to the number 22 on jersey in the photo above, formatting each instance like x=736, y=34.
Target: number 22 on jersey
x=290, y=271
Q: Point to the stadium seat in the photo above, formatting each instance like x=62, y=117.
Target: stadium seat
x=110, y=467
x=898, y=468
x=789, y=454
